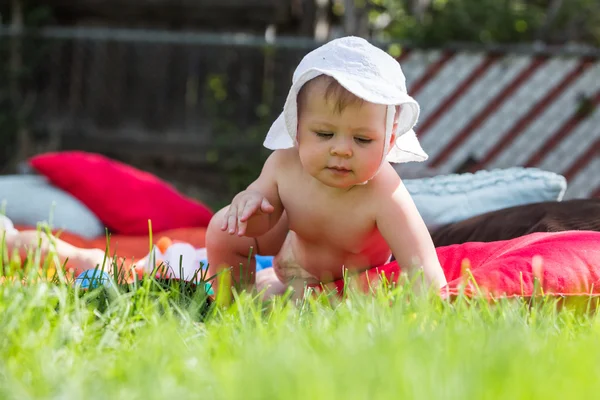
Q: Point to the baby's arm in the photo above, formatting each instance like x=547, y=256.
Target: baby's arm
x=403, y=228
x=257, y=209
x=77, y=259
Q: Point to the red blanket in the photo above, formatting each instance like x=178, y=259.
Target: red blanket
x=565, y=263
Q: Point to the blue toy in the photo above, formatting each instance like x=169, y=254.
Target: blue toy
x=92, y=278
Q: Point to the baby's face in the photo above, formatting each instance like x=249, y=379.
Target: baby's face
x=340, y=149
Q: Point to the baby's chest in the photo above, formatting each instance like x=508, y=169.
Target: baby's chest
x=345, y=226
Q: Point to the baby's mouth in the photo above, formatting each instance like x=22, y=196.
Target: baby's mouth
x=339, y=169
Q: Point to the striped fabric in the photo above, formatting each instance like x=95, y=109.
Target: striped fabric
x=488, y=110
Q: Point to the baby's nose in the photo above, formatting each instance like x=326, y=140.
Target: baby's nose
x=341, y=148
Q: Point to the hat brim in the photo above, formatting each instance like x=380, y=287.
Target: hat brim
x=283, y=131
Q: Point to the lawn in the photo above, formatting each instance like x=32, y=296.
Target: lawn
x=148, y=340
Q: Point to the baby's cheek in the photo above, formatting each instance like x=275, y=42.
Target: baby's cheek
x=373, y=161
x=305, y=154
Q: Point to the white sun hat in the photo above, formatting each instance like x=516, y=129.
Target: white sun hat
x=370, y=74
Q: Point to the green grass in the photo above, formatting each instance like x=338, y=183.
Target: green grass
x=147, y=341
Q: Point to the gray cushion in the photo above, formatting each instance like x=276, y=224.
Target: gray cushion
x=451, y=198
x=30, y=199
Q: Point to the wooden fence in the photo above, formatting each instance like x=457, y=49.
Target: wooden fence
x=195, y=108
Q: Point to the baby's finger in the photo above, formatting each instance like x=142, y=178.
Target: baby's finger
x=241, y=208
x=232, y=222
x=265, y=206
x=242, y=228
x=226, y=216
x=225, y=220
x=249, y=209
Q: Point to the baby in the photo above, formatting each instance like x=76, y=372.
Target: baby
x=327, y=200
x=57, y=253
x=75, y=259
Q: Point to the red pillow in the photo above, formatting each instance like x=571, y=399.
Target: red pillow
x=570, y=266
x=122, y=197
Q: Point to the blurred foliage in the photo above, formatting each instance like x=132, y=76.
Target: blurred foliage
x=437, y=22
x=237, y=151
x=18, y=62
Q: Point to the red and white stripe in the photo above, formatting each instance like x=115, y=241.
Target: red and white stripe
x=509, y=110
x=559, y=155
x=448, y=144
x=560, y=111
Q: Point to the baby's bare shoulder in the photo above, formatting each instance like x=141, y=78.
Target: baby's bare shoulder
x=279, y=162
x=389, y=196
x=283, y=166
x=282, y=158
x=385, y=184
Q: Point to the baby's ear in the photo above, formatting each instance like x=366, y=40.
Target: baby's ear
x=393, y=137
x=395, y=126
x=394, y=130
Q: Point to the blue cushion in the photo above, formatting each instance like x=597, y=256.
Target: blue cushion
x=451, y=198
x=30, y=199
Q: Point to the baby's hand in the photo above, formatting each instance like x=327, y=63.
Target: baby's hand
x=245, y=205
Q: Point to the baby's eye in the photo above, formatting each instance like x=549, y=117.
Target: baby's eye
x=325, y=135
x=363, y=140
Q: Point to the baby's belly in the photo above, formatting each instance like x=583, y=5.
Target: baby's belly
x=313, y=263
